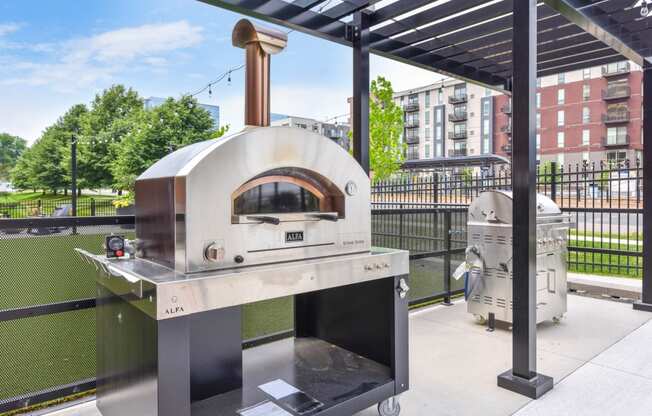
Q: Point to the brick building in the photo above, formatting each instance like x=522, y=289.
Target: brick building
x=586, y=115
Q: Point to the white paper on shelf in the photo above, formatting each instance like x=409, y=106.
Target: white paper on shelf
x=278, y=389
x=264, y=409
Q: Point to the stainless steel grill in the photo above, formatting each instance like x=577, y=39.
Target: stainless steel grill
x=489, y=256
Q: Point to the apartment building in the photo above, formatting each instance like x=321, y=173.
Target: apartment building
x=337, y=132
x=587, y=115
x=447, y=119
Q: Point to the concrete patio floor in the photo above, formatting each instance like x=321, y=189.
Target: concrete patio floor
x=599, y=356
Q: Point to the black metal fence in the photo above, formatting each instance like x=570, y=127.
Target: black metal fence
x=90, y=207
x=604, y=201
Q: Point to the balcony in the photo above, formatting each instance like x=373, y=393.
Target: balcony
x=616, y=92
x=613, y=117
x=615, y=70
x=411, y=107
x=506, y=109
x=507, y=129
x=411, y=123
x=457, y=152
x=458, y=98
x=457, y=116
x=412, y=139
x=621, y=140
x=457, y=135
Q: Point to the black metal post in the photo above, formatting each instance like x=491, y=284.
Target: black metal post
x=523, y=377
x=73, y=173
x=553, y=181
x=360, y=116
x=646, y=296
x=448, y=231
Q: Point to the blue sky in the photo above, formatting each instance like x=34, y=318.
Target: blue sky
x=54, y=54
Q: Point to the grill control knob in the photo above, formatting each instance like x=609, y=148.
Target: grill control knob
x=214, y=252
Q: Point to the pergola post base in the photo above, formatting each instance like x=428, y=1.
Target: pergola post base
x=643, y=306
x=533, y=388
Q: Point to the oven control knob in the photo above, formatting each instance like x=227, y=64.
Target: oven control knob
x=214, y=252
x=368, y=267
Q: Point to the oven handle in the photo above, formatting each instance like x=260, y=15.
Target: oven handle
x=265, y=219
x=325, y=216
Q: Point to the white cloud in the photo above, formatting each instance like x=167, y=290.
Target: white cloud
x=82, y=62
x=7, y=28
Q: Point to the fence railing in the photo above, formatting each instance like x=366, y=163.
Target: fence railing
x=604, y=201
x=46, y=207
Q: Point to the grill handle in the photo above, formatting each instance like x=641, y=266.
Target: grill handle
x=325, y=216
x=266, y=219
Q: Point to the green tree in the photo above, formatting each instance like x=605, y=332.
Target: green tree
x=149, y=135
x=46, y=164
x=386, y=150
x=11, y=147
x=98, y=135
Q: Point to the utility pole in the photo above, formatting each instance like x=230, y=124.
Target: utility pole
x=73, y=173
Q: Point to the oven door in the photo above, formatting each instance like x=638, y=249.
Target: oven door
x=287, y=209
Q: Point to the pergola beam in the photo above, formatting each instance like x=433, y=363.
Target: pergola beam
x=593, y=26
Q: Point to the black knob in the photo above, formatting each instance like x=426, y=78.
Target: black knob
x=238, y=259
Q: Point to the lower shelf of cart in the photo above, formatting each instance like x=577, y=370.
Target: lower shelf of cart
x=333, y=381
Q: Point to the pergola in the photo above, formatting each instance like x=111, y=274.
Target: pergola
x=503, y=44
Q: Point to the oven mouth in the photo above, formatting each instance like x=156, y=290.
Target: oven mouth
x=287, y=195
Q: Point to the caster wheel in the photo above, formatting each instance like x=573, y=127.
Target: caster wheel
x=480, y=320
x=389, y=407
x=556, y=319
x=645, y=12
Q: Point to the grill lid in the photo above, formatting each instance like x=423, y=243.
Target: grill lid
x=496, y=207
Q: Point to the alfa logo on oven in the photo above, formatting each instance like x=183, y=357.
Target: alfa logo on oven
x=293, y=236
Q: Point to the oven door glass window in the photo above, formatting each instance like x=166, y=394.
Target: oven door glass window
x=276, y=198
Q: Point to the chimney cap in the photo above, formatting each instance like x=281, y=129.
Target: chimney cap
x=270, y=40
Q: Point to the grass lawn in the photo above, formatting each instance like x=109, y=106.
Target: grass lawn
x=606, y=264
x=9, y=197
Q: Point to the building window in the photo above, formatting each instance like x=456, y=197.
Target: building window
x=538, y=100
x=586, y=92
x=586, y=73
x=538, y=141
x=427, y=150
x=438, y=150
x=586, y=137
x=616, y=157
x=440, y=97
x=560, y=139
x=487, y=92
x=427, y=99
x=585, y=156
x=438, y=115
x=561, y=78
x=560, y=159
x=561, y=118
x=586, y=115
x=538, y=120
x=427, y=117
x=486, y=107
x=428, y=133
x=617, y=135
x=561, y=96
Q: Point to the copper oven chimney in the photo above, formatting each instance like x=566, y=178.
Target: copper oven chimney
x=259, y=43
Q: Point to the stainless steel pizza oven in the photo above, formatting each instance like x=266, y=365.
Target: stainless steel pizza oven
x=263, y=214
x=264, y=195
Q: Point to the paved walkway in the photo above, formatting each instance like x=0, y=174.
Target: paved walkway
x=599, y=356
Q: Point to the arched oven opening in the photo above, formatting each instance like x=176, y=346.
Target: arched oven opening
x=287, y=194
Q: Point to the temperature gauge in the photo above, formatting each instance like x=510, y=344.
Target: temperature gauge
x=115, y=246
